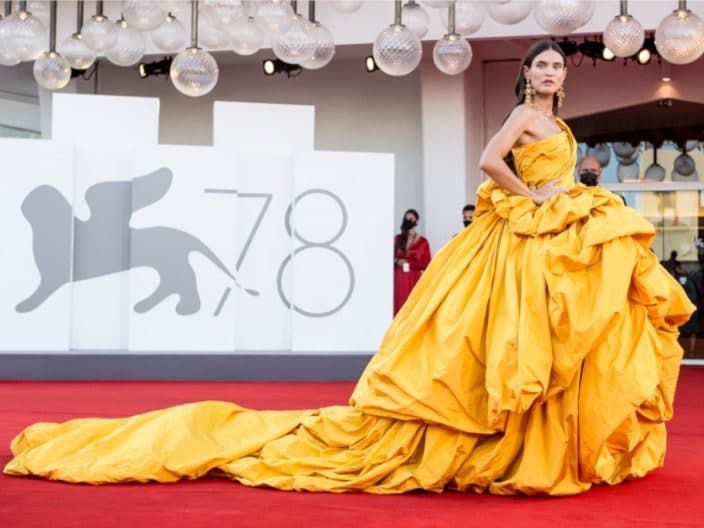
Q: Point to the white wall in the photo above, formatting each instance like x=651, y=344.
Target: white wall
x=474, y=104
x=444, y=175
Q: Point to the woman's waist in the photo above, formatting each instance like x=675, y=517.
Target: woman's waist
x=538, y=180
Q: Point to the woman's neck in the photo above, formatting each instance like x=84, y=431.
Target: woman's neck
x=543, y=103
x=412, y=232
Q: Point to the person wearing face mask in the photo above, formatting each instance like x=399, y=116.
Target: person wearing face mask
x=467, y=214
x=412, y=256
x=589, y=170
x=688, y=335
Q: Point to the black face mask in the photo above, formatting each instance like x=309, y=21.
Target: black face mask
x=466, y=222
x=408, y=224
x=588, y=178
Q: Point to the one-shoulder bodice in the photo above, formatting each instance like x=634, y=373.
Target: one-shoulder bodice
x=547, y=159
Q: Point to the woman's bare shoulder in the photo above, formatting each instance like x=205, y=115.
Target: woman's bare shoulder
x=521, y=114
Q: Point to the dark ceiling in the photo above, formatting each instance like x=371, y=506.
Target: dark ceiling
x=655, y=121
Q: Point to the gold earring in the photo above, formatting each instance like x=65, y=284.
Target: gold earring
x=560, y=96
x=528, y=92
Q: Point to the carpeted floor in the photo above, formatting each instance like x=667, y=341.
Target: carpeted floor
x=672, y=496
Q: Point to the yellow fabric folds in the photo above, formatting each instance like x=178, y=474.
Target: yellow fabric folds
x=538, y=354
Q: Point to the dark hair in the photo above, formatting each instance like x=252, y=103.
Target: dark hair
x=519, y=89
x=535, y=50
x=402, y=239
x=468, y=207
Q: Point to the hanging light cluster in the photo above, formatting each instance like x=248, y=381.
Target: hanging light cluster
x=241, y=25
x=245, y=26
x=51, y=70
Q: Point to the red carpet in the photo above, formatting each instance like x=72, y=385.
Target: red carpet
x=671, y=496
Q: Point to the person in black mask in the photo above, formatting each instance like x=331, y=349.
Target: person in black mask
x=688, y=335
x=467, y=214
x=589, y=171
x=411, y=257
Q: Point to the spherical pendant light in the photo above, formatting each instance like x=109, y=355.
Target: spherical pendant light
x=24, y=34
x=129, y=46
x=52, y=71
x=416, y=18
x=679, y=38
x=178, y=8
x=212, y=37
x=224, y=14
x=8, y=57
x=346, y=6
x=511, y=12
x=75, y=51
x=469, y=17
x=324, y=48
x=74, y=48
x=99, y=33
x=624, y=36
x=624, y=149
x=247, y=38
x=452, y=54
x=194, y=72
x=170, y=36
x=562, y=17
x=397, y=51
x=144, y=15
x=296, y=44
x=274, y=17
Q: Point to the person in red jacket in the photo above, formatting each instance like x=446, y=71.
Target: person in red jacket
x=412, y=256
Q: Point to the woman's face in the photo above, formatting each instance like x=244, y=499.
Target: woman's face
x=547, y=72
x=411, y=217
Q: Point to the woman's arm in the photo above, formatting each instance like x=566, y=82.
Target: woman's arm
x=493, y=164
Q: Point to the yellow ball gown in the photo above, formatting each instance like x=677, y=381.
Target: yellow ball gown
x=537, y=355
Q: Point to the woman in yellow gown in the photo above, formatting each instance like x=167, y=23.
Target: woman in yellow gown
x=537, y=355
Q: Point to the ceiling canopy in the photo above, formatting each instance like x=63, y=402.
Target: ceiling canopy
x=655, y=122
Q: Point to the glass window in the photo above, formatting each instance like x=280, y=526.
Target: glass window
x=666, y=186
x=13, y=132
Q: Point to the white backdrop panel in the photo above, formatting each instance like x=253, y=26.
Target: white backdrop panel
x=264, y=128
x=111, y=119
x=342, y=271
x=104, y=130
x=241, y=247
x=35, y=186
x=100, y=288
x=183, y=247
x=265, y=187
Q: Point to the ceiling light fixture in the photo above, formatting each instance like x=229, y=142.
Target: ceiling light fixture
x=646, y=53
x=156, y=68
x=272, y=66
